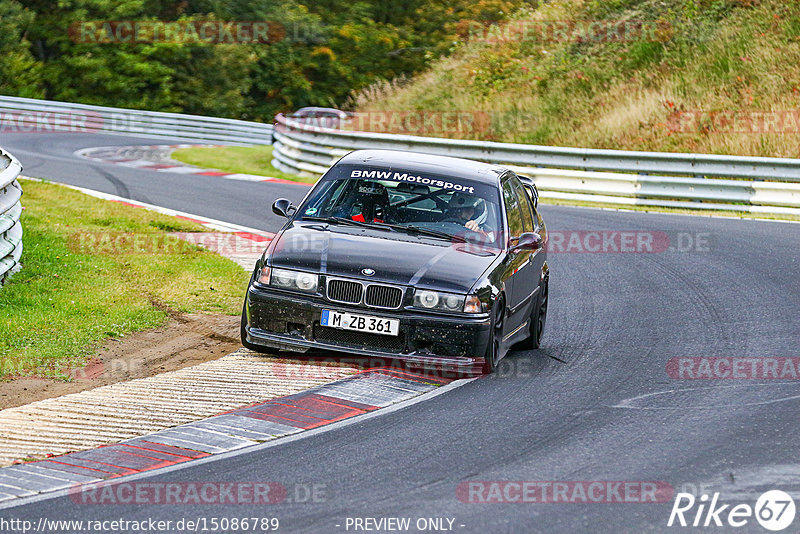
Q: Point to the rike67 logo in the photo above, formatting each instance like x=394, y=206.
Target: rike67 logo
x=774, y=510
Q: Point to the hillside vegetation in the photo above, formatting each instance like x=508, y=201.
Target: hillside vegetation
x=244, y=59
x=716, y=76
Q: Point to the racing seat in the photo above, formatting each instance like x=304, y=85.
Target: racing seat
x=370, y=203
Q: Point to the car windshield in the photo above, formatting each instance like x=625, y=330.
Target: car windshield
x=429, y=204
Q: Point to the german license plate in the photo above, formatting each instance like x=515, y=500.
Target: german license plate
x=360, y=323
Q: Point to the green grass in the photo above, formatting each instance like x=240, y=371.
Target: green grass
x=71, y=295
x=239, y=159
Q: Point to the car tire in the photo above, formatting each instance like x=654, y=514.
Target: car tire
x=243, y=333
x=538, y=319
x=492, y=356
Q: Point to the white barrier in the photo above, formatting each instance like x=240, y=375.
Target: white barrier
x=25, y=115
x=10, y=212
x=738, y=183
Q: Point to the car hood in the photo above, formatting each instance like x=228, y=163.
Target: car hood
x=396, y=258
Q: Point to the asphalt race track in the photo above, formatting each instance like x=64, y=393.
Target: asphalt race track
x=51, y=156
x=595, y=404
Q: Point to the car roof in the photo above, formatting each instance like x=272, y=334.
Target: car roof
x=421, y=163
x=332, y=111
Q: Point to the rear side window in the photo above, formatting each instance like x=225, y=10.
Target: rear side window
x=513, y=211
x=528, y=219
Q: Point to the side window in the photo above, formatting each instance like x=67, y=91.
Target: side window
x=528, y=220
x=533, y=206
x=510, y=199
x=536, y=222
x=331, y=198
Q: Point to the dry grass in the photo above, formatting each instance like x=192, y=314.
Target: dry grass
x=732, y=56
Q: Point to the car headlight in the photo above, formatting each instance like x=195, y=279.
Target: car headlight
x=286, y=279
x=435, y=300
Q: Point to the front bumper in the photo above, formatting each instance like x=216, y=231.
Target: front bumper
x=290, y=321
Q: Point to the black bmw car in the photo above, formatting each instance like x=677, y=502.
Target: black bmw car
x=426, y=259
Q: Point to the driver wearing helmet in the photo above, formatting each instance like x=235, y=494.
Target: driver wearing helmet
x=467, y=209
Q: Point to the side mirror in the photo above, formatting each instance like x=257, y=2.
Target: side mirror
x=282, y=206
x=528, y=241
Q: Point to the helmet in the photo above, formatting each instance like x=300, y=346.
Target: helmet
x=462, y=200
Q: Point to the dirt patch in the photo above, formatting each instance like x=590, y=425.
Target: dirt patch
x=187, y=339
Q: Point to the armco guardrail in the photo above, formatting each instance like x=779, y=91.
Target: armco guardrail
x=27, y=115
x=739, y=183
x=10, y=211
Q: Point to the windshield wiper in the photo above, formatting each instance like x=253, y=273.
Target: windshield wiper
x=334, y=220
x=417, y=230
x=342, y=220
x=411, y=229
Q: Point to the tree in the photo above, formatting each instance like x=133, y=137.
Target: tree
x=20, y=73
